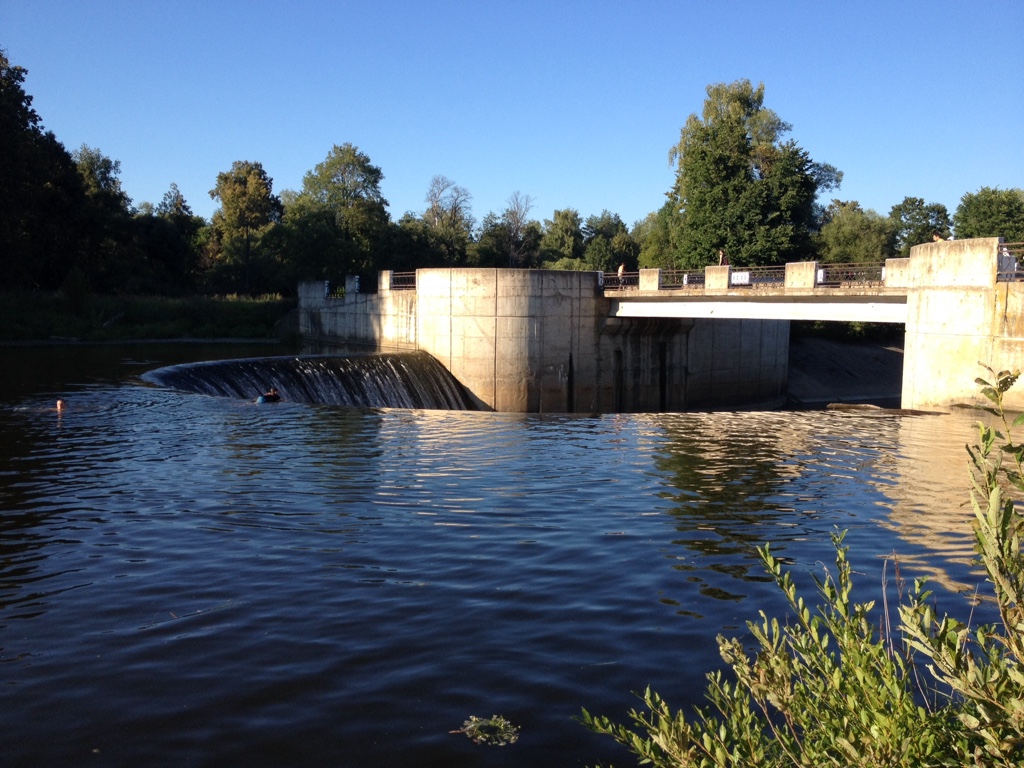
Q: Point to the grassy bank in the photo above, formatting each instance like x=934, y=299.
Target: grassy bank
x=55, y=316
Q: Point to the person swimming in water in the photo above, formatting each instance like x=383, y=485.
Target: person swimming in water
x=60, y=406
x=272, y=396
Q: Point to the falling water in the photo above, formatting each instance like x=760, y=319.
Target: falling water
x=400, y=380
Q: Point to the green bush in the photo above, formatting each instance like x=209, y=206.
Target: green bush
x=829, y=688
x=76, y=314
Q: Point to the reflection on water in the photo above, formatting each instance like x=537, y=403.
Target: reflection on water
x=200, y=580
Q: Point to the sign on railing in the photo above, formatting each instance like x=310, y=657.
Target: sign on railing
x=758, y=276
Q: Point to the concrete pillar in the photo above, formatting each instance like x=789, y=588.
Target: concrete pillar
x=716, y=278
x=801, y=275
x=650, y=279
x=958, y=316
x=897, y=273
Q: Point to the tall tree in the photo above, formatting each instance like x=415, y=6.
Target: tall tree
x=101, y=179
x=449, y=215
x=523, y=240
x=111, y=259
x=851, y=234
x=249, y=209
x=991, y=212
x=563, y=236
x=607, y=243
x=653, y=236
x=739, y=187
x=40, y=192
x=916, y=222
x=344, y=192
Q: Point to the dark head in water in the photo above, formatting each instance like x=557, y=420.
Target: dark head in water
x=272, y=396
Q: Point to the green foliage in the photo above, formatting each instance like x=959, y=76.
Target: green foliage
x=915, y=222
x=991, y=213
x=851, y=234
x=41, y=193
x=828, y=687
x=653, y=236
x=563, y=236
x=739, y=187
x=607, y=243
x=510, y=240
x=449, y=219
x=75, y=313
x=248, y=211
x=495, y=731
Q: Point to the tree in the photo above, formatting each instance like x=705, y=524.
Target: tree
x=991, y=213
x=249, y=210
x=173, y=204
x=562, y=237
x=522, y=240
x=101, y=179
x=740, y=188
x=851, y=234
x=916, y=222
x=653, y=236
x=508, y=240
x=450, y=217
x=41, y=192
x=607, y=243
x=343, y=192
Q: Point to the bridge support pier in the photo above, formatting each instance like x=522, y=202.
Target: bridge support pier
x=959, y=314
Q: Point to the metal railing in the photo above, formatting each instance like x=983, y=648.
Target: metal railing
x=836, y=275
x=335, y=291
x=403, y=281
x=682, y=278
x=1009, y=266
x=624, y=282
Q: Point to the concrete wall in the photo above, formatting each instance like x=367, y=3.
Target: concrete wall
x=958, y=316
x=536, y=341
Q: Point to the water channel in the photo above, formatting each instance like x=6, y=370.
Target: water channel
x=196, y=580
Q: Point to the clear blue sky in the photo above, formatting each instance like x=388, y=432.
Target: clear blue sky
x=575, y=104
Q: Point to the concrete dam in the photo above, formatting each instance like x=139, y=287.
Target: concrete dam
x=545, y=341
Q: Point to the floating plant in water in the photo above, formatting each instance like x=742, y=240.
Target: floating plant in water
x=494, y=730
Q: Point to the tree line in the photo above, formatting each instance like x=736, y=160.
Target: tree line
x=740, y=186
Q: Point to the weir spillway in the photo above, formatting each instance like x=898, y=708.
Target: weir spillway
x=401, y=380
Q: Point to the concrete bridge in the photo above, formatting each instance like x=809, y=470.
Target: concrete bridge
x=659, y=340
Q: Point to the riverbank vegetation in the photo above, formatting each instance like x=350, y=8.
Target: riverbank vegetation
x=741, y=186
x=838, y=685
x=81, y=316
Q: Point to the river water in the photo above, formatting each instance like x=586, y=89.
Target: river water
x=202, y=581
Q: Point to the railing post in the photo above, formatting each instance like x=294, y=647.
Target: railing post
x=717, y=278
x=384, y=280
x=801, y=274
x=650, y=279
